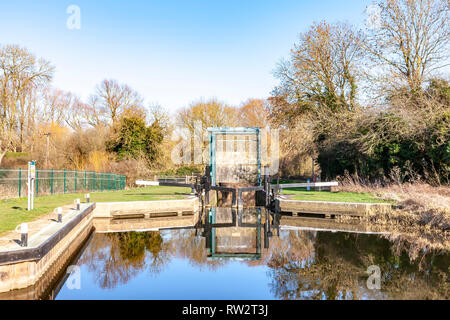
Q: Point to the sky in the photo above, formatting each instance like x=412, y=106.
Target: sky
x=172, y=52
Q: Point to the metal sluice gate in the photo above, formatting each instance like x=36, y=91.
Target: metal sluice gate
x=202, y=188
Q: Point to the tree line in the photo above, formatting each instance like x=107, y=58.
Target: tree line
x=371, y=102
x=112, y=130
x=375, y=102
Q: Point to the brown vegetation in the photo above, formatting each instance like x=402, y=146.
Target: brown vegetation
x=421, y=213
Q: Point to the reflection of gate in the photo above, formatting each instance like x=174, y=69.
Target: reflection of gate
x=231, y=237
x=235, y=155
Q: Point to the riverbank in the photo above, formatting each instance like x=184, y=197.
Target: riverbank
x=352, y=197
x=421, y=214
x=14, y=211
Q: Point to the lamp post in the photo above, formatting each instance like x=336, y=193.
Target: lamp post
x=48, y=134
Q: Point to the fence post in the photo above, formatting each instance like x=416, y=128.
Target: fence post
x=85, y=186
x=51, y=182
x=64, y=181
x=93, y=185
x=101, y=182
x=76, y=176
x=20, y=182
x=37, y=181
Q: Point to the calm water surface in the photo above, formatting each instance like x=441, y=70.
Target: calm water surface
x=239, y=256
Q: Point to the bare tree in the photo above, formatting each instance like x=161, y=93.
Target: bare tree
x=114, y=99
x=253, y=113
x=210, y=113
x=410, y=41
x=56, y=105
x=20, y=74
x=77, y=114
x=323, y=70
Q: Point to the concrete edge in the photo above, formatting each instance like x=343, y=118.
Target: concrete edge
x=36, y=253
x=335, y=202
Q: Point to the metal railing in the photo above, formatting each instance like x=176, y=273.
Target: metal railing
x=13, y=182
x=177, y=179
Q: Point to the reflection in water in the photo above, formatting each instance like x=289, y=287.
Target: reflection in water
x=247, y=254
x=116, y=257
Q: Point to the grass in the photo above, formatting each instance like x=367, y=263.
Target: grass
x=14, y=211
x=301, y=194
x=15, y=155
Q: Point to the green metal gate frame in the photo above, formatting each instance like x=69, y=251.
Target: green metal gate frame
x=213, y=132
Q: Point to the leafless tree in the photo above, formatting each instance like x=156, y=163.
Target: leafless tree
x=410, y=41
x=323, y=69
x=20, y=74
x=114, y=99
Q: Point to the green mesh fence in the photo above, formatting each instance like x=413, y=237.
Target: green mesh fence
x=13, y=182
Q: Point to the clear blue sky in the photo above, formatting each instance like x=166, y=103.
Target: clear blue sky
x=172, y=52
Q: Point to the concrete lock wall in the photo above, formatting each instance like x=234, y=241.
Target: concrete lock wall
x=22, y=274
x=143, y=208
x=38, y=266
x=334, y=208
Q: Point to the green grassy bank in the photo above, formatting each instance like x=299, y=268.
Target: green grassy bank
x=14, y=211
x=301, y=194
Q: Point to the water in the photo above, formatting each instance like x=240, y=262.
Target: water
x=232, y=256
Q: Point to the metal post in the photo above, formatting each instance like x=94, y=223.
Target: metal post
x=48, y=142
x=37, y=181
x=32, y=194
x=64, y=181
x=24, y=234
x=20, y=182
x=267, y=185
x=93, y=184
x=76, y=176
x=51, y=182
x=258, y=154
x=278, y=185
x=85, y=180
x=59, y=211
x=31, y=176
x=207, y=184
x=101, y=182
